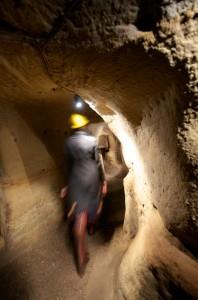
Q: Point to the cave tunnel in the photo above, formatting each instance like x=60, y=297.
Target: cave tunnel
x=146, y=245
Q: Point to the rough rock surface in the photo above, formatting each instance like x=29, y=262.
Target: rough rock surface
x=135, y=63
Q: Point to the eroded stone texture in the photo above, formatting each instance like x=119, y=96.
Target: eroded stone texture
x=146, y=91
x=33, y=19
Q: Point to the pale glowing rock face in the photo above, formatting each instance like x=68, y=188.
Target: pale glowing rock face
x=136, y=66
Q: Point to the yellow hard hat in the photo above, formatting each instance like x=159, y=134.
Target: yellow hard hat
x=77, y=121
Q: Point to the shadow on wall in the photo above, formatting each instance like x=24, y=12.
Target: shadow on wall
x=167, y=288
x=149, y=14
x=13, y=284
x=2, y=240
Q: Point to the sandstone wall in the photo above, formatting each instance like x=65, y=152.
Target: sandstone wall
x=136, y=65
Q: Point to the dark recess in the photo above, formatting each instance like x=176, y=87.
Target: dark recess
x=167, y=288
x=149, y=14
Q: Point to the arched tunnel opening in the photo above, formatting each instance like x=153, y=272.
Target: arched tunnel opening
x=52, y=129
x=39, y=130
x=140, y=97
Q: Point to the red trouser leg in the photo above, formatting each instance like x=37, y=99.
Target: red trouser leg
x=79, y=231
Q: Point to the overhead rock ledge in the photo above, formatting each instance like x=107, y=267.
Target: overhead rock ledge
x=136, y=66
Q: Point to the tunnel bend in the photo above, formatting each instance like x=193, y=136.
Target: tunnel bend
x=147, y=92
x=138, y=95
x=155, y=188
x=30, y=165
x=137, y=88
x=143, y=107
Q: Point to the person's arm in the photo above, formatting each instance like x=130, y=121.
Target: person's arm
x=100, y=164
x=63, y=192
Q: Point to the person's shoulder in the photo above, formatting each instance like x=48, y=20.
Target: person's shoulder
x=92, y=138
x=87, y=134
x=87, y=137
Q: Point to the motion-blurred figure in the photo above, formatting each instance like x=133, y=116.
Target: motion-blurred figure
x=85, y=185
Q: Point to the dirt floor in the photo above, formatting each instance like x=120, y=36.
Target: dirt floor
x=48, y=271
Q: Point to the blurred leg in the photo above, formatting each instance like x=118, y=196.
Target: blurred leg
x=79, y=230
x=94, y=216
